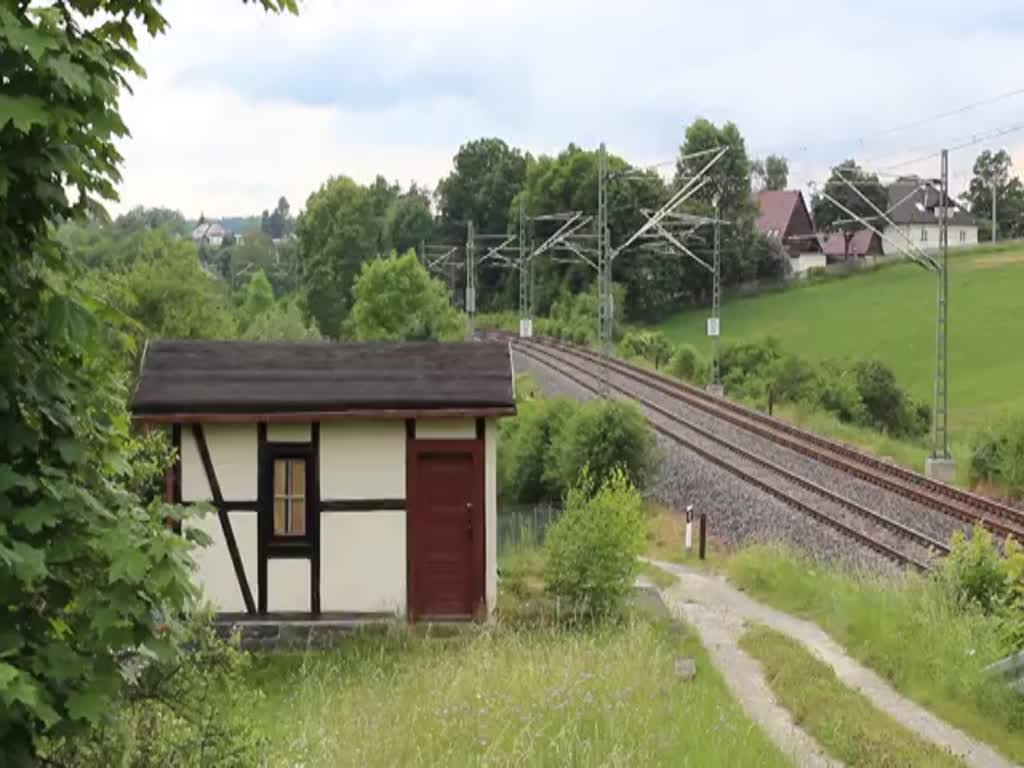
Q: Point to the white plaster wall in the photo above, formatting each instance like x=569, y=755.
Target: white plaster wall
x=362, y=460
x=234, y=452
x=806, y=261
x=288, y=585
x=288, y=433
x=445, y=429
x=215, y=573
x=932, y=241
x=193, y=478
x=491, y=514
x=363, y=562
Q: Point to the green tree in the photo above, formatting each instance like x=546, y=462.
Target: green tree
x=772, y=173
x=829, y=216
x=994, y=170
x=397, y=300
x=487, y=175
x=337, y=232
x=568, y=182
x=283, y=322
x=257, y=300
x=409, y=221
x=280, y=223
x=729, y=177
x=86, y=567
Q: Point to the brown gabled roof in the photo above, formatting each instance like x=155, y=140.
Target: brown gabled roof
x=224, y=377
x=863, y=243
x=776, y=207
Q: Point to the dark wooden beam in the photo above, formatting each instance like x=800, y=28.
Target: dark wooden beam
x=290, y=417
x=362, y=505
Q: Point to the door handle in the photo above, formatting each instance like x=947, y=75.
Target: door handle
x=469, y=519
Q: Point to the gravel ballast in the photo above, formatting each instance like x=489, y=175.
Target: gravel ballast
x=738, y=513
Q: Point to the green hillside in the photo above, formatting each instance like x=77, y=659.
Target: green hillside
x=889, y=314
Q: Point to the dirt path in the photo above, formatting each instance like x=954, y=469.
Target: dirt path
x=719, y=612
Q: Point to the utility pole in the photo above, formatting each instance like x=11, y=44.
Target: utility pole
x=604, y=267
x=525, y=272
x=714, y=324
x=994, y=227
x=470, y=280
x=940, y=464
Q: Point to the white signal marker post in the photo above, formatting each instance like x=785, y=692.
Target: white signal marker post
x=689, y=527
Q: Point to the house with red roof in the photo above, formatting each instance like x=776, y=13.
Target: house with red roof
x=783, y=216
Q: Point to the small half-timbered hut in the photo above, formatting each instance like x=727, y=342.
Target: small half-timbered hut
x=355, y=479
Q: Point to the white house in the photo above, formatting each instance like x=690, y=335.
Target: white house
x=209, y=233
x=914, y=208
x=345, y=478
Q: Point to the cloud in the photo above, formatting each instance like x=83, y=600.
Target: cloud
x=241, y=106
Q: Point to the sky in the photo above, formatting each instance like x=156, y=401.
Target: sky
x=241, y=107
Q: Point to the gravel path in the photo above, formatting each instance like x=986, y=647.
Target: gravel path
x=720, y=613
x=738, y=513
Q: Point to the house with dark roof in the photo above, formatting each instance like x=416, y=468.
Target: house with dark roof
x=783, y=216
x=915, y=205
x=864, y=243
x=345, y=479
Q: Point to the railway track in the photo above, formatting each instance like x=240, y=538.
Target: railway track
x=888, y=537
x=1001, y=519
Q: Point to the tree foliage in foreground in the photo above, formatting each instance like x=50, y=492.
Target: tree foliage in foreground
x=397, y=300
x=86, y=567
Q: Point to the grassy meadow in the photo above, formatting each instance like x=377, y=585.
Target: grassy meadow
x=526, y=691
x=889, y=313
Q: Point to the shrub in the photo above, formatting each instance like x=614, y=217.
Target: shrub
x=792, y=379
x=837, y=393
x=997, y=455
x=886, y=405
x=604, y=435
x=749, y=358
x=973, y=572
x=528, y=462
x=193, y=710
x=592, y=549
x=652, y=346
x=686, y=363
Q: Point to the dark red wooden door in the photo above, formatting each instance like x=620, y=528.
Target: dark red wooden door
x=445, y=528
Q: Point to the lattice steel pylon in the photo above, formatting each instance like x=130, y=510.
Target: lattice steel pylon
x=716, y=299
x=605, y=310
x=470, y=280
x=525, y=273
x=940, y=432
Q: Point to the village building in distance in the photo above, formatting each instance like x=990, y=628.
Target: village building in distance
x=914, y=210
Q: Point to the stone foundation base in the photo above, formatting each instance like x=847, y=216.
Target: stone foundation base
x=291, y=634
x=943, y=470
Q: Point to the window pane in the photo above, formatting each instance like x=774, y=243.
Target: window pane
x=280, y=467
x=298, y=478
x=298, y=518
x=279, y=522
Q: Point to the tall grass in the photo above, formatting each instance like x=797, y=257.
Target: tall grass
x=908, y=629
x=606, y=696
